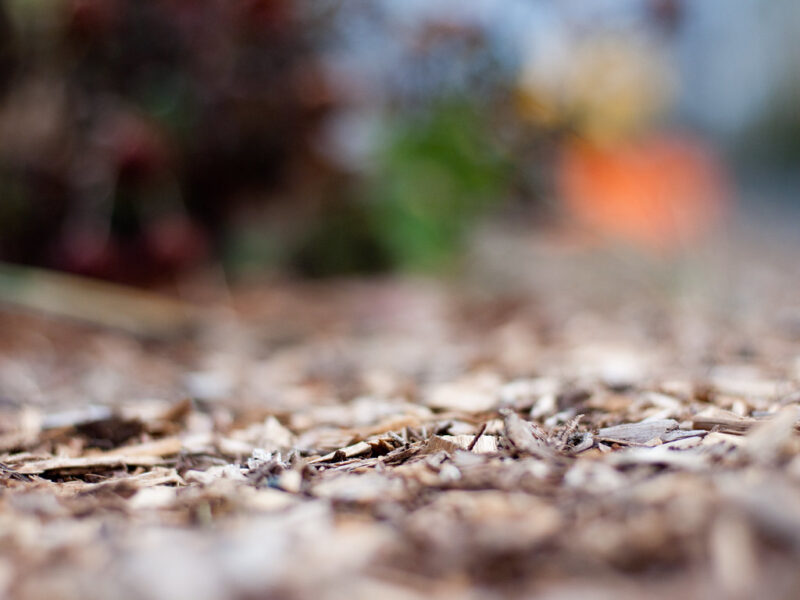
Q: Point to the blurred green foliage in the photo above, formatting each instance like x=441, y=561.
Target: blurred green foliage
x=437, y=173
x=140, y=139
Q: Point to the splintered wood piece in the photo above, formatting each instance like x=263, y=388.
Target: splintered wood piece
x=141, y=455
x=736, y=425
x=352, y=451
x=723, y=424
x=157, y=476
x=88, y=463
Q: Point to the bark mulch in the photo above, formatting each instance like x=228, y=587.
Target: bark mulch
x=405, y=439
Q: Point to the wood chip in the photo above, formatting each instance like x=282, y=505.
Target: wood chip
x=351, y=451
x=486, y=444
x=638, y=433
x=87, y=463
x=520, y=434
x=145, y=455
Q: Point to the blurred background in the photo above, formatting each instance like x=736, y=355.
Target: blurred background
x=142, y=140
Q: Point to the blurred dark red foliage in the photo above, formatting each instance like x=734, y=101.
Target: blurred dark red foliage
x=155, y=120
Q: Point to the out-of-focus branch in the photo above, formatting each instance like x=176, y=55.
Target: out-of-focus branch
x=99, y=303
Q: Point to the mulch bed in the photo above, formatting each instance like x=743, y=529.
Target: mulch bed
x=405, y=439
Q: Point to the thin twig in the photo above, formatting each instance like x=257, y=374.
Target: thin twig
x=478, y=435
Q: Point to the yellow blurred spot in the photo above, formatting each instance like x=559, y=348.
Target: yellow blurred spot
x=604, y=86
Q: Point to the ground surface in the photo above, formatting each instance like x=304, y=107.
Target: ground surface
x=563, y=423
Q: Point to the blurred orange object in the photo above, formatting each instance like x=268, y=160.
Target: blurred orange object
x=660, y=192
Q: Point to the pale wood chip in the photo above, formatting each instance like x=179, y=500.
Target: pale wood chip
x=349, y=452
x=90, y=462
x=140, y=455
x=638, y=433
x=521, y=435
x=439, y=444
x=486, y=444
x=739, y=425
